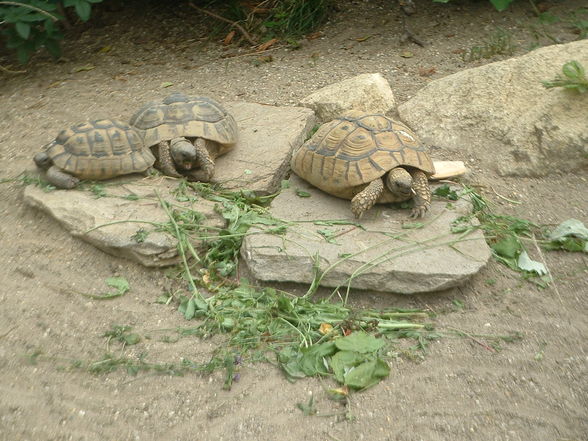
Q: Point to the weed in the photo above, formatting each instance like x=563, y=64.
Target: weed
x=574, y=77
x=499, y=43
x=140, y=235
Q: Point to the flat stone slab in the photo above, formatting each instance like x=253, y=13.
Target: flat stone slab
x=381, y=256
x=121, y=224
x=267, y=137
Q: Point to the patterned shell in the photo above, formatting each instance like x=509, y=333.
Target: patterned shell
x=100, y=150
x=180, y=115
x=356, y=149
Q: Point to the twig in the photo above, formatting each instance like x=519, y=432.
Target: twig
x=538, y=248
x=4, y=69
x=23, y=5
x=505, y=198
x=226, y=20
x=9, y=331
x=481, y=343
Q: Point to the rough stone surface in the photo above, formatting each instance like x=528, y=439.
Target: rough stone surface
x=267, y=137
x=367, y=92
x=79, y=211
x=385, y=258
x=502, y=107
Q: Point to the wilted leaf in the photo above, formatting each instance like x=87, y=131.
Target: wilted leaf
x=166, y=84
x=569, y=228
x=302, y=193
x=105, y=49
x=343, y=361
x=325, y=328
x=267, y=44
x=360, y=39
x=406, y=54
x=229, y=38
x=527, y=264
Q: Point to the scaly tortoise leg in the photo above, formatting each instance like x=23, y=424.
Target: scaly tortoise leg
x=205, y=171
x=61, y=179
x=166, y=163
x=367, y=198
x=422, y=196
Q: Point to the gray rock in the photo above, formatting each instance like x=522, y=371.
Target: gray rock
x=86, y=217
x=367, y=92
x=502, y=115
x=383, y=257
x=267, y=137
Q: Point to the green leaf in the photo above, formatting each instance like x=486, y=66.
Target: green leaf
x=445, y=191
x=312, y=361
x=190, y=309
x=573, y=70
x=367, y=374
x=83, y=9
x=53, y=48
x=527, y=264
x=131, y=339
x=359, y=341
x=302, y=193
x=343, y=361
x=120, y=283
x=508, y=247
x=23, y=54
x=500, y=5
x=166, y=84
x=23, y=29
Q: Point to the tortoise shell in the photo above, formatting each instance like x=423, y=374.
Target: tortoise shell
x=100, y=149
x=348, y=153
x=179, y=115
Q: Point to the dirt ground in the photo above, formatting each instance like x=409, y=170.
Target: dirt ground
x=532, y=389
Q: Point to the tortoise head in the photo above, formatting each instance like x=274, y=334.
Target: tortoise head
x=399, y=182
x=183, y=153
x=42, y=160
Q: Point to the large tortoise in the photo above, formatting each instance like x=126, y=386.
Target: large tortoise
x=210, y=131
x=369, y=159
x=100, y=149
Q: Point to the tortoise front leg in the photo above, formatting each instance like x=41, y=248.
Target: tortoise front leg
x=204, y=160
x=60, y=179
x=166, y=163
x=367, y=198
x=422, y=196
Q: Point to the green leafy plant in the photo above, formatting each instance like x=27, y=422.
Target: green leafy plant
x=30, y=25
x=574, y=77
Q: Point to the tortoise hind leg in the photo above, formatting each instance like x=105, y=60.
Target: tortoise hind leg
x=422, y=197
x=367, y=198
x=204, y=159
x=61, y=179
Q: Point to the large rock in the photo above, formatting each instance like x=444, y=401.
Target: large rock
x=379, y=255
x=267, y=137
x=367, y=92
x=502, y=115
x=122, y=223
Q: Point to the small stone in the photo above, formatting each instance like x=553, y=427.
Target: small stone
x=366, y=92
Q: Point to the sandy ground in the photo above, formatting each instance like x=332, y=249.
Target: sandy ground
x=532, y=389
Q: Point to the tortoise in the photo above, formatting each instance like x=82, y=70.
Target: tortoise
x=99, y=149
x=367, y=158
x=210, y=129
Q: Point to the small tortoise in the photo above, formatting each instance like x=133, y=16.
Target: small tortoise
x=212, y=130
x=99, y=149
x=368, y=158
